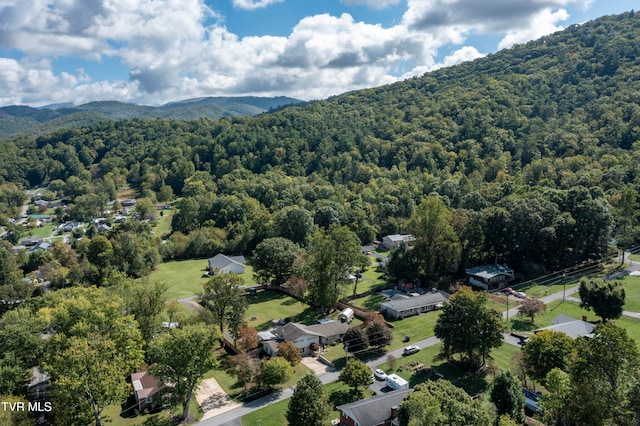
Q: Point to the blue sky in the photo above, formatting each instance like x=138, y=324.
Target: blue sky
x=157, y=51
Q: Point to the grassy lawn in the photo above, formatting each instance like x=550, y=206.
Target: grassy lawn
x=632, y=291
x=43, y=232
x=184, y=278
x=111, y=415
x=163, y=223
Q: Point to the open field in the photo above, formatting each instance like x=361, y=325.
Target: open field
x=162, y=224
x=184, y=278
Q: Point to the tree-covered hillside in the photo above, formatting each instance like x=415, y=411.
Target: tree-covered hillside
x=532, y=150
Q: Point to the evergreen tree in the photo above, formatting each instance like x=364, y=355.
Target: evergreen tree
x=309, y=404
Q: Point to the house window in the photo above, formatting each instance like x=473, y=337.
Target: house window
x=149, y=400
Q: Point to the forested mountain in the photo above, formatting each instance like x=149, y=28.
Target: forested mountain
x=533, y=151
x=16, y=120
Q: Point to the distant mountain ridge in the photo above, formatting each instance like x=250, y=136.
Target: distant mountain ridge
x=18, y=120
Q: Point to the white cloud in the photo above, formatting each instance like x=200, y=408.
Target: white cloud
x=540, y=24
x=374, y=4
x=175, y=49
x=254, y=4
x=466, y=53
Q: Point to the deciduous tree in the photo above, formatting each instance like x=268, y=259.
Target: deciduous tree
x=182, y=357
x=290, y=352
x=530, y=307
x=224, y=296
x=440, y=403
x=275, y=371
x=468, y=327
x=606, y=298
x=545, y=351
x=507, y=396
x=273, y=260
x=355, y=374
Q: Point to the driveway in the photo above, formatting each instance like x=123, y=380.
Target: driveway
x=213, y=400
x=316, y=366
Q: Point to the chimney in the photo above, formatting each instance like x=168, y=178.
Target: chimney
x=394, y=412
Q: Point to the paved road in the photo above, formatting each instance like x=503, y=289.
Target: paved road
x=232, y=418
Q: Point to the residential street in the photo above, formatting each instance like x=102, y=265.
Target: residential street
x=232, y=417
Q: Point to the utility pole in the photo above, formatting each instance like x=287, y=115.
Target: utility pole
x=564, y=285
x=507, y=308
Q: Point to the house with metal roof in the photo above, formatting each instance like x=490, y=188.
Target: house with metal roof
x=409, y=306
x=381, y=410
x=570, y=326
x=226, y=264
x=490, y=277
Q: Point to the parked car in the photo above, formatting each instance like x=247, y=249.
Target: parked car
x=410, y=350
x=380, y=375
x=508, y=291
x=520, y=295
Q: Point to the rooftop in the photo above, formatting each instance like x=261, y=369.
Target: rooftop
x=376, y=410
x=489, y=271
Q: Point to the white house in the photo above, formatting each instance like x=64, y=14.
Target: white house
x=303, y=336
x=391, y=241
x=226, y=264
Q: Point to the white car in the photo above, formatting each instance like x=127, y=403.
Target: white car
x=410, y=350
x=380, y=375
x=520, y=295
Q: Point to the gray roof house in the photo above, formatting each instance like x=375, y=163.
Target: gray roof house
x=406, y=307
x=376, y=411
x=226, y=264
x=570, y=326
x=303, y=336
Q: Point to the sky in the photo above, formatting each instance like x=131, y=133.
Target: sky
x=152, y=52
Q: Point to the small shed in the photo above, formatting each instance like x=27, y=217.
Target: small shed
x=346, y=315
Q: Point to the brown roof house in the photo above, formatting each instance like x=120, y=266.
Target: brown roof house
x=376, y=411
x=149, y=392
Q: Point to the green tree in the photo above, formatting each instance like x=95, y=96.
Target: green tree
x=275, y=371
x=309, y=404
x=93, y=348
x=378, y=334
x=468, y=327
x=290, y=352
x=326, y=265
x=437, y=248
x=607, y=365
x=146, y=301
x=401, y=264
x=556, y=405
x=294, y=223
x=606, y=298
x=273, y=260
x=440, y=403
x=355, y=340
x=241, y=367
x=545, y=351
x=145, y=208
x=183, y=357
x=355, y=374
x=507, y=396
x=17, y=417
x=224, y=296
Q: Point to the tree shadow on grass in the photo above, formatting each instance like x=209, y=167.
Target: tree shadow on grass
x=523, y=325
x=372, y=302
x=344, y=396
